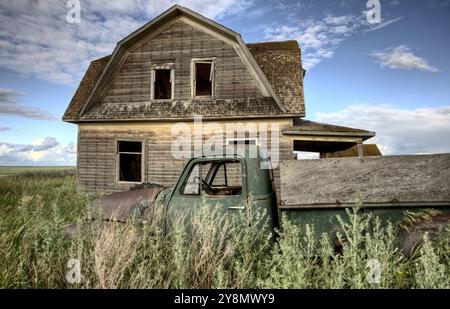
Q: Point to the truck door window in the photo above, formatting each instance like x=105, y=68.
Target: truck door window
x=226, y=180
x=214, y=178
x=197, y=175
x=192, y=185
x=219, y=179
x=234, y=174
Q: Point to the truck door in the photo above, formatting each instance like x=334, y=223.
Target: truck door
x=218, y=184
x=223, y=186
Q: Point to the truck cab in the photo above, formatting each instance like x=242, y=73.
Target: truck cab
x=229, y=183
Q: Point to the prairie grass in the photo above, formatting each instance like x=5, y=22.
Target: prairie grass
x=27, y=170
x=212, y=251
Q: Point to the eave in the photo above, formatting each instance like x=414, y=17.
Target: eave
x=177, y=119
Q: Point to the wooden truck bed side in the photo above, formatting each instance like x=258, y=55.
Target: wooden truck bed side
x=420, y=180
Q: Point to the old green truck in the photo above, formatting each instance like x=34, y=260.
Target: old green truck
x=306, y=191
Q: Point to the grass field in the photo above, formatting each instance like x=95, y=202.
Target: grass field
x=35, y=250
x=16, y=170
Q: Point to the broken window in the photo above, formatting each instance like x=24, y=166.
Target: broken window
x=162, y=84
x=196, y=177
x=192, y=185
x=228, y=174
x=129, y=161
x=214, y=179
x=203, y=78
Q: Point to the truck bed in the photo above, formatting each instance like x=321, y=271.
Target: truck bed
x=392, y=181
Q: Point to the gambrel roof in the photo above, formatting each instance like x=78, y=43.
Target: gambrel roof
x=275, y=66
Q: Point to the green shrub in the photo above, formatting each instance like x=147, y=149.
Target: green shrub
x=212, y=251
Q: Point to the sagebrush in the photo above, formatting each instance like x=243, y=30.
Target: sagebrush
x=212, y=251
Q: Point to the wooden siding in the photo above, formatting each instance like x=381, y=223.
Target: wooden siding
x=178, y=45
x=97, y=153
x=393, y=181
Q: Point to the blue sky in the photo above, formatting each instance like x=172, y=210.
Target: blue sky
x=392, y=77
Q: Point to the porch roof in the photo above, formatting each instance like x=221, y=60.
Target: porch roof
x=314, y=136
x=312, y=128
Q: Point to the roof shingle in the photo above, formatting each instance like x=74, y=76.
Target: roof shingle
x=281, y=63
x=91, y=76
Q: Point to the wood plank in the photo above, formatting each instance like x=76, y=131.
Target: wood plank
x=179, y=44
x=392, y=180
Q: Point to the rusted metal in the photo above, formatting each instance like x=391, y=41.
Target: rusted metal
x=119, y=206
x=412, y=237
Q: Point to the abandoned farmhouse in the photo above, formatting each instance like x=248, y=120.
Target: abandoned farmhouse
x=179, y=66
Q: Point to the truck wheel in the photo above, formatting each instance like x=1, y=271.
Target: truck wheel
x=411, y=237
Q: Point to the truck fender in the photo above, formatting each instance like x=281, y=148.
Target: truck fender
x=411, y=237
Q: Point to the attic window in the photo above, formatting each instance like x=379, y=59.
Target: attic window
x=162, y=84
x=203, y=78
x=129, y=161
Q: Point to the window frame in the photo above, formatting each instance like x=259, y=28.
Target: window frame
x=182, y=182
x=142, y=153
x=188, y=175
x=172, y=82
x=211, y=177
x=211, y=61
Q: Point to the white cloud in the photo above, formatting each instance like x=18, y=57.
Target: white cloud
x=338, y=20
x=9, y=106
x=345, y=3
x=394, y=3
x=9, y=95
x=402, y=57
x=41, y=145
x=46, y=151
x=440, y=3
x=385, y=24
x=209, y=8
x=4, y=129
x=399, y=131
x=36, y=40
x=317, y=38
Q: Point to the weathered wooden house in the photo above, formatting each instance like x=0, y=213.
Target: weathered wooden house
x=178, y=66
